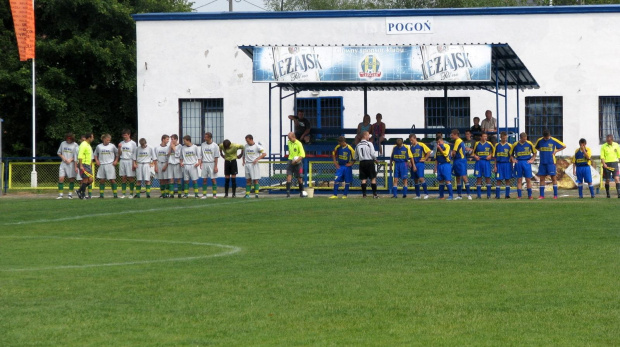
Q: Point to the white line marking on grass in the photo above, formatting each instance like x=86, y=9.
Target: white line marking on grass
x=125, y=212
x=230, y=251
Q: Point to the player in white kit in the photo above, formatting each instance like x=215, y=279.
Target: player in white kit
x=175, y=171
x=162, y=153
x=210, y=154
x=106, y=158
x=144, y=159
x=127, y=170
x=68, y=152
x=191, y=159
x=252, y=153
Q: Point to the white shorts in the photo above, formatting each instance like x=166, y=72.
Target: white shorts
x=143, y=172
x=106, y=172
x=162, y=175
x=252, y=171
x=67, y=170
x=174, y=171
x=208, y=170
x=125, y=168
x=190, y=173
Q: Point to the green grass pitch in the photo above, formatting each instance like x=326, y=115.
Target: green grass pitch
x=275, y=271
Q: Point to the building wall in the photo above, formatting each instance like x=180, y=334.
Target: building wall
x=570, y=55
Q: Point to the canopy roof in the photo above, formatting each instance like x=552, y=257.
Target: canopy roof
x=511, y=72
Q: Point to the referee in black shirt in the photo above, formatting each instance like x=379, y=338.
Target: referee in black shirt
x=365, y=153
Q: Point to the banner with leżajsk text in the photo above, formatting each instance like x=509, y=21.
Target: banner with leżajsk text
x=433, y=63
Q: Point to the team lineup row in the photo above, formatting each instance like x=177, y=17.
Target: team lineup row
x=170, y=162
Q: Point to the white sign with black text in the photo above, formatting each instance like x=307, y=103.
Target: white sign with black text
x=408, y=25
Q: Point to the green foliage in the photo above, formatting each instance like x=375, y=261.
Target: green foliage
x=350, y=272
x=85, y=71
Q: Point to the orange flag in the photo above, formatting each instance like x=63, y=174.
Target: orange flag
x=23, y=20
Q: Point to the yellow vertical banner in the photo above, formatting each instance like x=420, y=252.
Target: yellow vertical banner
x=23, y=20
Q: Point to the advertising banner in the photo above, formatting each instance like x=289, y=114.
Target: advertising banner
x=372, y=63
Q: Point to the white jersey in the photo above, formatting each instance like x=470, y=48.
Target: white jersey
x=144, y=155
x=105, y=154
x=175, y=156
x=69, y=150
x=209, y=152
x=252, y=153
x=161, y=152
x=128, y=149
x=190, y=155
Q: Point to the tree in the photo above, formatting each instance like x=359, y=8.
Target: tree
x=85, y=70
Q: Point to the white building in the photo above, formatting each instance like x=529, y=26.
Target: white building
x=193, y=77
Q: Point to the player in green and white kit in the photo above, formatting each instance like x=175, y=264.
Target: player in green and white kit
x=162, y=152
x=175, y=171
x=252, y=153
x=68, y=152
x=144, y=159
x=210, y=154
x=106, y=158
x=127, y=170
x=191, y=159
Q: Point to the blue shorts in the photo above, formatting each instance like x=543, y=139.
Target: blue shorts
x=482, y=169
x=400, y=170
x=344, y=174
x=546, y=170
x=504, y=171
x=459, y=167
x=523, y=169
x=444, y=172
x=584, y=174
x=416, y=175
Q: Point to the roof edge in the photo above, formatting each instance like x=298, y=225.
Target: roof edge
x=478, y=11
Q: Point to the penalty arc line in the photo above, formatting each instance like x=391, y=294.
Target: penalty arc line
x=231, y=250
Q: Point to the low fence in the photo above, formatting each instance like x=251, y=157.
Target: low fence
x=319, y=174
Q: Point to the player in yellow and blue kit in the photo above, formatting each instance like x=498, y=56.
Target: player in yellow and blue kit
x=503, y=165
x=343, y=161
x=581, y=167
x=483, y=154
x=400, y=159
x=443, y=167
x=420, y=154
x=548, y=146
x=523, y=154
x=459, y=164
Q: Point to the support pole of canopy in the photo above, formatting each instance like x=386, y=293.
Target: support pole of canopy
x=365, y=101
x=505, y=100
x=497, y=97
x=446, y=109
x=270, y=152
x=281, y=125
x=518, y=111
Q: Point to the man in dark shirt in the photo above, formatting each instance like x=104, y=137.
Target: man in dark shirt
x=476, y=129
x=302, y=127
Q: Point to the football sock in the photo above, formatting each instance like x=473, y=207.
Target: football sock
x=148, y=190
x=449, y=185
x=114, y=188
x=301, y=187
x=507, y=190
x=71, y=185
x=441, y=186
x=336, y=187
x=542, y=191
x=288, y=187
x=394, y=190
x=519, y=192
x=607, y=188
x=497, y=191
x=405, y=190
x=256, y=187
x=467, y=188
x=346, y=189
x=479, y=191
x=138, y=189
x=459, y=189
x=101, y=188
x=488, y=190
x=124, y=187
x=417, y=189
x=374, y=188
x=425, y=188
x=364, y=188
x=234, y=185
x=60, y=188
x=555, y=190
x=591, y=190
x=226, y=185
x=529, y=192
x=580, y=188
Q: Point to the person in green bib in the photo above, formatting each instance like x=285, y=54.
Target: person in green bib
x=296, y=154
